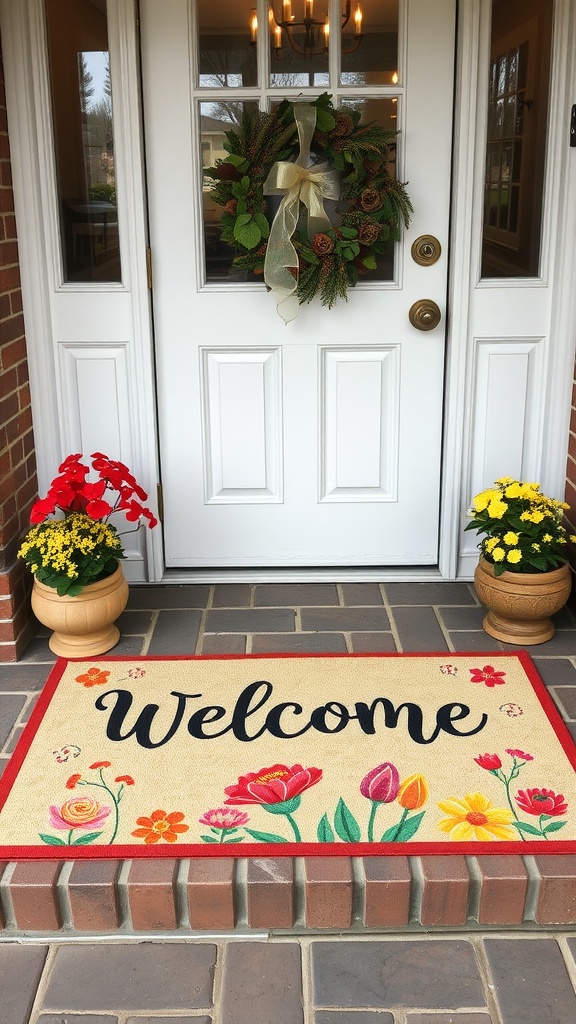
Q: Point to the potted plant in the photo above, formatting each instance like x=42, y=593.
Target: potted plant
x=523, y=576
x=74, y=552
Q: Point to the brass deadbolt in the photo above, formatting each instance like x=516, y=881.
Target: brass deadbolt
x=425, y=315
x=426, y=250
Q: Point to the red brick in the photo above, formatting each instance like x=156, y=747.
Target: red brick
x=6, y=199
x=387, y=892
x=445, y=891
x=210, y=889
x=8, y=250
x=34, y=896
x=503, y=892
x=151, y=894
x=328, y=892
x=93, y=896
x=12, y=339
x=271, y=892
x=9, y=277
x=557, y=893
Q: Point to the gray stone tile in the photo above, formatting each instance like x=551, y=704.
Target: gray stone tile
x=429, y=974
x=474, y=641
x=175, y=632
x=232, y=595
x=361, y=593
x=352, y=1017
x=418, y=630
x=250, y=620
x=463, y=618
x=76, y=1018
x=531, y=983
x=448, y=1018
x=430, y=593
x=356, y=620
x=11, y=706
x=565, y=697
x=134, y=622
x=38, y=652
x=19, y=677
x=373, y=643
x=295, y=594
x=299, y=643
x=162, y=1020
x=224, y=643
x=128, y=645
x=564, y=619
x=168, y=596
x=563, y=642
x=262, y=983
x=556, y=671
x=142, y=977
x=20, y=971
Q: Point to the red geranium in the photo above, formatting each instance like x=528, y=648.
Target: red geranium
x=273, y=785
x=541, y=801
x=72, y=492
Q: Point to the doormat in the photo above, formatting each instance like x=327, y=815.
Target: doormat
x=291, y=755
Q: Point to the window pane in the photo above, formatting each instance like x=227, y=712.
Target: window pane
x=83, y=139
x=299, y=42
x=226, y=58
x=216, y=119
x=370, y=43
x=516, y=138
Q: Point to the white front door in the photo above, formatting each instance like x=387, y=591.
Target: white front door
x=317, y=443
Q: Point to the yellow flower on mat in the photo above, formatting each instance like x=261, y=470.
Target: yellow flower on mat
x=474, y=818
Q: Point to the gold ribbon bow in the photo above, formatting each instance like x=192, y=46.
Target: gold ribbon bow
x=299, y=183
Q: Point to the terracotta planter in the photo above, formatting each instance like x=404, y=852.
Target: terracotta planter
x=520, y=604
x=83, y=625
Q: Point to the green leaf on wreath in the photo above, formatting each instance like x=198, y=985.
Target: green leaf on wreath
x=51, y=840
x=348, y=232
x=324, y=120
x=238, y=161
x=324, y=832
x=248, y=234
x=408, y=828
x=345, y=824
x=370, y=262
x=266, y=837
x=262, y=223
x=523, y=826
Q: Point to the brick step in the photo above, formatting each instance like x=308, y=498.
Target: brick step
x=302, y=894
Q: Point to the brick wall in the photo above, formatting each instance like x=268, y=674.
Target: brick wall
x=17, y=461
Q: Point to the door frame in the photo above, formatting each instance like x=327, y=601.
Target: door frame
x=21, y=25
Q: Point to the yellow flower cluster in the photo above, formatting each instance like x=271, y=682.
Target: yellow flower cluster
x=64, y=547
x=523, y=527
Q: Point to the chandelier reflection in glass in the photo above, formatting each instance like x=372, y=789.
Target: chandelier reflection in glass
x=309, y=36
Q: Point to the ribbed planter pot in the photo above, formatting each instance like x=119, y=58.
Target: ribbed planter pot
x=83, y=625
x=520, y=604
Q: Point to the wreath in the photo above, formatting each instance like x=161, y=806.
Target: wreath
x=270, y=154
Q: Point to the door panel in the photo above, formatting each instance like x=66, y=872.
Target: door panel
x=315, y=443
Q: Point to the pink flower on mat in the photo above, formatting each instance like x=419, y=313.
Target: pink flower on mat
x=520, y=753
x=491, y=762
x=381, y=784
x=224, y=817
x=79, y=812
x=487, y=675
x=274, y=785
x=541, y=801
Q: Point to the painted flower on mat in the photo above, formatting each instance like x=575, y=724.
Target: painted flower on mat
x=98, y=821
x=278, y=790
x=541, y=801
x=160, y=825
x=381, y=784
x=474, y=818
x=223, y=822
x=84, y=813
x=93, y=677
x=487, y=675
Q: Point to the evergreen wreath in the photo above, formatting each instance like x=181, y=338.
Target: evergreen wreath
x=374, y=204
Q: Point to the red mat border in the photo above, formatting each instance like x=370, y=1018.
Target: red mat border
x=180, y=851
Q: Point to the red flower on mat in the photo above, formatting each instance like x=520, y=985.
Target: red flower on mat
x=126, y=779
x=71, y=783
x=491, y=762
x=224, y=817
x=160, y=825
x=273, y=785
x=93, y=677
x=520, y=753
x=487, y=675
x=381, y=784
x=100, y=764
x=541, y=801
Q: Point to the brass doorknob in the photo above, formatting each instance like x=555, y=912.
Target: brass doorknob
x=426, y=250
x=425, y=315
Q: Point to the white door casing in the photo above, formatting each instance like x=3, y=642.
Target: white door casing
x=312, y=443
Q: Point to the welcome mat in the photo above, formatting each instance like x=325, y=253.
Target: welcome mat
x=288, y=755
